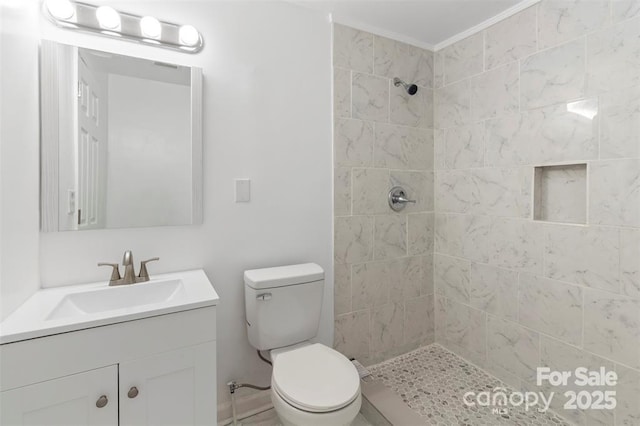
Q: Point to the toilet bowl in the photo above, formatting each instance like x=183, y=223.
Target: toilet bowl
x=314, y=385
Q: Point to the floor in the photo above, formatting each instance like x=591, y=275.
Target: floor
x=269, y=418
x=432, y=381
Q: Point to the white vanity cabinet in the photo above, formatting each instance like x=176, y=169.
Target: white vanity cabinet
x=154, y=371
x=69, y=400
x=169, y=389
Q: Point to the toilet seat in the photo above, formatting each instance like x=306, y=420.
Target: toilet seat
x=315, y=378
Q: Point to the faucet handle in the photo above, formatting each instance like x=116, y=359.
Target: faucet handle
x=143, y=268
x=115, y=273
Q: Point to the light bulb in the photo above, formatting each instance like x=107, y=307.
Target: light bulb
x=61, y=9
x=188, y=35
x=108, y=18
x=150, y=27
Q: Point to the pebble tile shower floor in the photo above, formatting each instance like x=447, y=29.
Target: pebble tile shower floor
x=432, y=381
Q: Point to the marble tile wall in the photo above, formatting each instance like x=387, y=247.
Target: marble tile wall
x=560, y=193
x=556, y=84
x=384, y=295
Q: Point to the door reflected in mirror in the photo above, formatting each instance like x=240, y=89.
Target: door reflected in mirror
x=121, y=141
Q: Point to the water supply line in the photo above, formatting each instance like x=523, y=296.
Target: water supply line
x=263, y=358
x=233, y=386
x=232, y=390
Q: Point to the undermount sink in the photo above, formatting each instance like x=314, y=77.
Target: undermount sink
x=118, y=297
x=71, y=308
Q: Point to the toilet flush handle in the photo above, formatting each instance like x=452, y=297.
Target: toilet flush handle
x=264, y=296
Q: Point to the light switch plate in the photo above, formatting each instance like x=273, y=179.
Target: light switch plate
x=243, y=190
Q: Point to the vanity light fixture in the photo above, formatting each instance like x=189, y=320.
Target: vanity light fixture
x=108, y=18
x=60, y=9
x=105, y=20
x=188, y=35
x=150, y=27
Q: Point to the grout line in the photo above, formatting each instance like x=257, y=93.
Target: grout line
x=587, y=197
x=350, y=270
x=611, y=12
x=351, y=77
x=583, y=309
x=539, y=350
x=518, y=293
x=373, y=238
x=351, y=198
x=585, y=87
x=537, y=29
x=520, y=112
x=486, y=338
x=545, y=244
x=373, y=53
x=524, y=165
x=374, y=142
x=620, y=286
x=484, y=50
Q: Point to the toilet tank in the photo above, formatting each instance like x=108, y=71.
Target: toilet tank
x=283, y=304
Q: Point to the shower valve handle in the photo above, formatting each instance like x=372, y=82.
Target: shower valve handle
x=398, y=199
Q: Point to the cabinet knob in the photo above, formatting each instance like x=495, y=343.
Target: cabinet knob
x=133, y=392
x=102, y=401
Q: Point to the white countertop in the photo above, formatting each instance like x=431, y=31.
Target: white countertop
x=36, y=317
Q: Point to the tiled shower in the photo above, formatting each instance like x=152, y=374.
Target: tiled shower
x=522, y=148
x=382, y=138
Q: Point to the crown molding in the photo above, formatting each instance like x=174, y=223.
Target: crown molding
x=337, y=19
x=486, y=24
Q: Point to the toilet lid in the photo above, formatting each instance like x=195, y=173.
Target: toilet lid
x=315, y=378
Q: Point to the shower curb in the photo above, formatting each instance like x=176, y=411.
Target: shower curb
x=382, y=407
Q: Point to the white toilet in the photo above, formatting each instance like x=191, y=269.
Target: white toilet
x=311, y=384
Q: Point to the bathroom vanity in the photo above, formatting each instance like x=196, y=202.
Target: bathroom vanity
x=140, y=353
x=146, y=356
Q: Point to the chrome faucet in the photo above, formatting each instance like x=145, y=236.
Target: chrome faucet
x=129, y=270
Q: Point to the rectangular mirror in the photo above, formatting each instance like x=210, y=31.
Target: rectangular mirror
x=121, y=141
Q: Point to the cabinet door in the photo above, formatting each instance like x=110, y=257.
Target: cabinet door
x=67, y=401
x=173, y=388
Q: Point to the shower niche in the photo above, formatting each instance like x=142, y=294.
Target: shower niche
x=560, y=193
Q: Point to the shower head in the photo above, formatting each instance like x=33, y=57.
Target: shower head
x=411, y=89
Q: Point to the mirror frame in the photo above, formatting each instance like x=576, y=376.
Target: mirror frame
x=56, y=91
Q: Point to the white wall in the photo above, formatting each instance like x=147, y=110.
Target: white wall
x=267, y=109
x=18, y=155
